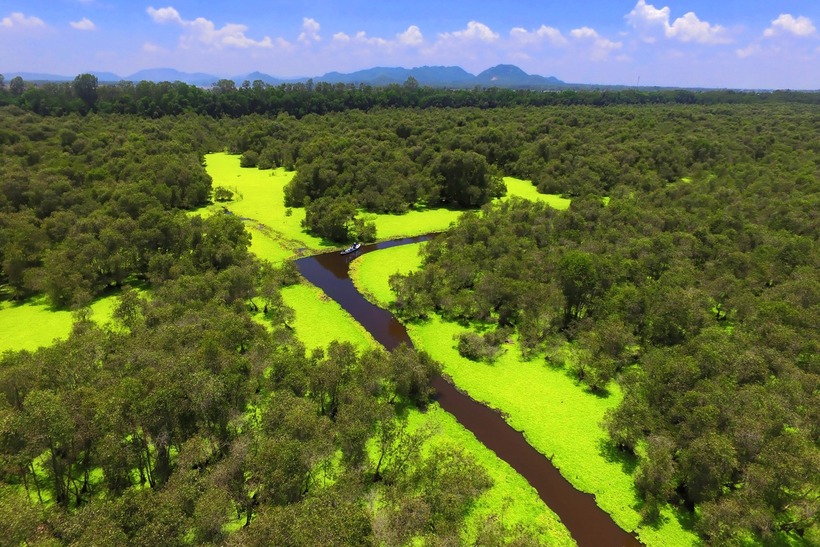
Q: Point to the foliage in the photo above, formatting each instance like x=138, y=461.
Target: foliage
x=700, y=283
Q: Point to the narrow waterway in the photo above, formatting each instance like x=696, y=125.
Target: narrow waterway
x=588, y=524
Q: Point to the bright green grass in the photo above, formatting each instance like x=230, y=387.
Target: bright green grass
x=525, y=189
x=412, y=223
x=260, y=197
x=320, y=320
x=371, y=272
x=34, y=324
x=559, y=417
x=511, y=496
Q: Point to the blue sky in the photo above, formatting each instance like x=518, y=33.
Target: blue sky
x=708, y=43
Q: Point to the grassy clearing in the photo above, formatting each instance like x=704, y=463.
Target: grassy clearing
x=320, y=320
x=525, y=189
x=558, y=416
x=259, y=197
x=34, y=323
x=371, y=272
x=511, y=497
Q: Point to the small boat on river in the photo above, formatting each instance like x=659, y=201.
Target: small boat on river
x=352, y=249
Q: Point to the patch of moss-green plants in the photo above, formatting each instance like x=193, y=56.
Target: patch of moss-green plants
x=34, y=323
x=259, y=199
x=319, y=320
x=525, y=189
x=371, y=272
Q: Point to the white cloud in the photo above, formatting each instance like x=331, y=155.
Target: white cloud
x=165, y=15
x=310, y=31
x=648, y=19
x=411, y=37
x=547, y=34
x=341, y=37
x=600, y=46
x=475, y=31
x=748, y=51
x=788, y=24
x=20, y=20
x=83, y=24
x=149, y=47
x=203, y=31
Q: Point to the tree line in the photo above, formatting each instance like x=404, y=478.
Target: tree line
x=226, y=98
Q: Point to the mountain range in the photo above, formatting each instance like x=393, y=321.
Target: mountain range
x=507, y=76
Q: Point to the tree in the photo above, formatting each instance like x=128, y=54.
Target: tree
x=85, y=87
x=16, y=86
x=465, y=180
x=331, y=218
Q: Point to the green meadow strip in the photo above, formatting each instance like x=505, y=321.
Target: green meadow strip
x=35, y=324
x=319, y=320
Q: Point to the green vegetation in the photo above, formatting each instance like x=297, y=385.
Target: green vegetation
x=370, y=272
x=510, y=500
x=675, y=301
x=716, y=328
x=35, y=324
x=560, y=418
x=318, y=320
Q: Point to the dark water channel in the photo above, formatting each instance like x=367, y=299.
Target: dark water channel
x=588, y=524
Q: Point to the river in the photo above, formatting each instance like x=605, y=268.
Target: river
x=588, y=523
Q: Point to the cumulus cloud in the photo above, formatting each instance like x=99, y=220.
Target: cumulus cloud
x=202, y=31
x=748, y=51
x=411, y=37
x=310, y=31
x=547, y=34
x=649, y=21
x=149, y=47
x=788, y=24
x=83, y=24
x=20, y=20
x=475, y=31
x=600, y=46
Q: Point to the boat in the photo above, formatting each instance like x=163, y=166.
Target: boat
x=352, y=249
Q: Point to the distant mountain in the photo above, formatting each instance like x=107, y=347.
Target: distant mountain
x=509, y=76
x=253, y=76
x=512, y=76
x=173, y=75
x=444, y=76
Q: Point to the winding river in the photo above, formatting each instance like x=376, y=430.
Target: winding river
x=588, y=524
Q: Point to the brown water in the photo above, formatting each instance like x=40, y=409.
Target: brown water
x=588, y=524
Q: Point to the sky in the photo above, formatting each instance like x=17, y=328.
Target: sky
x=749, y=44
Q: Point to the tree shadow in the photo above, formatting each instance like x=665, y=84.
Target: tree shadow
x=613, y=454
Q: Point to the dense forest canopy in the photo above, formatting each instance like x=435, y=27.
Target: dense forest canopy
x=693, y=284
x=700, y=295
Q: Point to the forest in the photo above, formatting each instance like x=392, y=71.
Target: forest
x=684, y=271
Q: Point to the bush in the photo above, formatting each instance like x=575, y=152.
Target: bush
x=476, y=347
x=249, y=159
